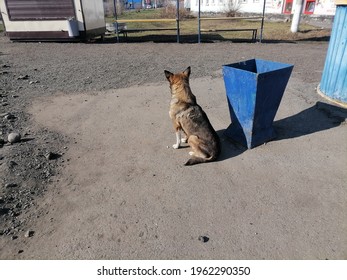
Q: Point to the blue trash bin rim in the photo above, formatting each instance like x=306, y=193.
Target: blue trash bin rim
x=252, y=65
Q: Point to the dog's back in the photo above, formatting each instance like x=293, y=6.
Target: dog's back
x=189, y=117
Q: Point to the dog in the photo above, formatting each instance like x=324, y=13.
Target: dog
x=188, y=117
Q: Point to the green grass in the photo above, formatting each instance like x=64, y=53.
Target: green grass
x=144, y=14
x=134, y=14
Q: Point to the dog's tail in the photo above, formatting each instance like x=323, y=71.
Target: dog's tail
x=196, y=160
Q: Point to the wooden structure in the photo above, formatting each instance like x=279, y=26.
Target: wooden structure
x=121, y=27
x=253, y=30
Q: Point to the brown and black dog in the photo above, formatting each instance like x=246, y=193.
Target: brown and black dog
x=188, y=116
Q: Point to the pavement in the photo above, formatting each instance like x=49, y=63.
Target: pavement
x=286, y=199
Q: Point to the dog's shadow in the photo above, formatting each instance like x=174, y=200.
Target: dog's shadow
x=229, y=148
x=319, y=117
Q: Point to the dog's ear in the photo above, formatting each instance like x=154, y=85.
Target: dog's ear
x=168, y=74
x=187, y=72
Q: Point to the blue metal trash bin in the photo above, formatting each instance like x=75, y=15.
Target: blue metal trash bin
x=254, y=90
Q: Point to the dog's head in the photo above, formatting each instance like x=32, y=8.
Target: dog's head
x=179, y=78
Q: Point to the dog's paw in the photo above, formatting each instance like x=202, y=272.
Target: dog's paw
x=175, y=146
x=184, y=140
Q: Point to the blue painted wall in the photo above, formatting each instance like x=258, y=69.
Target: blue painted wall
x=334, y=78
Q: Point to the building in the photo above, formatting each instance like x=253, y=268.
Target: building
x=53, y=20
x=311, y=7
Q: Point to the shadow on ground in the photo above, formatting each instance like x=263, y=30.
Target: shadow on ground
x=207, y=38
x=230, y=149
x=321, y=116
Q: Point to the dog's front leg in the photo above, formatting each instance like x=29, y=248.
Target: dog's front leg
x=178, y=139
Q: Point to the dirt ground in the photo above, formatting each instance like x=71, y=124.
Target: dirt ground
x=95, y=176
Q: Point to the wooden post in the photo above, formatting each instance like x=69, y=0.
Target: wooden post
x=262, y=23
x=115, y=16
x=178, y=20
x=199, y=29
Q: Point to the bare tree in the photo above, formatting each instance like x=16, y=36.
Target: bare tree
x=232, y=8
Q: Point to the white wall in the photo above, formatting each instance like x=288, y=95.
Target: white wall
x=323, y=7
x=208, y=5
x=246, y=6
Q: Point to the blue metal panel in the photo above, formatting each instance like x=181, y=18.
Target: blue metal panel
x=241, y=87
x=334, y=78
x=254, y=91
